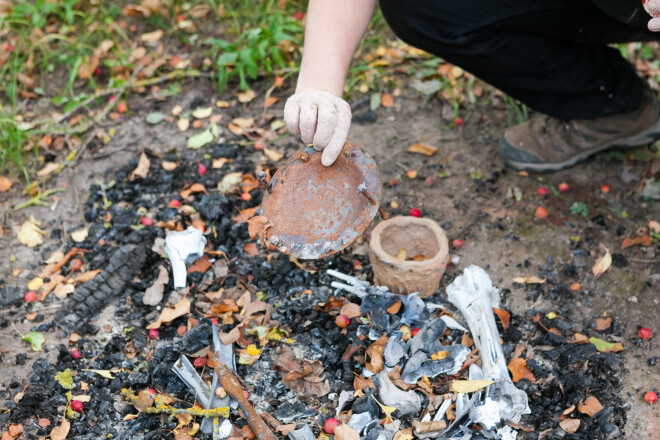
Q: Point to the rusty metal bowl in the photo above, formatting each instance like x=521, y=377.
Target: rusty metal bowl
x=315, y=211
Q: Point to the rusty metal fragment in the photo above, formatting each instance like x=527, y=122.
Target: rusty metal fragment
x=317, y=211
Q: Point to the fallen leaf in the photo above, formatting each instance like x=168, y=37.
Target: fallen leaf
x=404, y=434
x=142, y=168
x=154, y=118
x=43, y=422
x=202, y=112
x=152, y=37
x=169, y=314
x=424, y=149
x=80, y=235
x=219, y=162
x=301, y=375
x=108, y=374
x=193, y=189
x=603, y=263
x=270, y=101
x=469, y=386
x=606, y=347
x=60, y=432
x=15, y=430
x=504, y=317
x=603, y=323
x=154, y=293
x=590, y=406
x=30, y=235
x=201, y=265
x=528, y=280
x=55, y=257
x=222, y=104
x=375, y=354
x=345, y=432
x=35, y=284
x=286, y=429
x=251, y=249
x=388, y=410
x=5, y=184
x=238, y=126
x=520, y=370
x=394, y=308
x=63, y=290
x=245, y=215
x=244, y=97
x=386, y=100
x=639, y=241
x=351, y=310
x=169, y=166
x=203, y=138
x=360, y=383
x=183, y=124
x=36, y=339
x=48, y=169
x=86, y=276
x=654, y=226
x=272, y=154
x=570, y=425
x=439, y=355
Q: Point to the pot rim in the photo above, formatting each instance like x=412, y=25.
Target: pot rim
x=435, y=229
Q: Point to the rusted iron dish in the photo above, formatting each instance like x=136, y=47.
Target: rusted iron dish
x=316, y=211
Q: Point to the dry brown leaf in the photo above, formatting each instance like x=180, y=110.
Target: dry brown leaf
x=504, y=317
x=654, y=226
x=136, y=11
x=154, y=293
x=301, y=375
x=85, y=276
x=48, y=169
x=570, y=425
x=520, y=370
x=246, y=214
x=193, y=189
x=231, y=337
x=286, y=429
x=270, y=101
x=424, y=149
x=60, y=432
x=639, y=241
x=244, y=97
x=528, y=280
x=142, y=168
x=273, y=154
x=251, y=249
x=375, y=355
x=201, y=265
x=603, y=263
x=360, y=383
x=345, y=432
x=169, y=166
x=590, y=406
x=5, y=184
x=603, y=323
x=351, y=310
x=169, y=314
x=386, y=100
x=63, y=290
x=152, y=37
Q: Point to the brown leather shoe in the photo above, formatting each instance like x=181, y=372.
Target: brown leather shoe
x=548, y=144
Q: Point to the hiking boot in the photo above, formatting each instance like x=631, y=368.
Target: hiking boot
x=548, y=144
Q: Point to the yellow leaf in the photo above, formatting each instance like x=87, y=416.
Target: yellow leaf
x=169, y=314
x=30, y=235
x=439, y=355
x=388, y=410
x=603, y=263
x=35, y=284
x=80, y=235
x=528, y=280
x=108, y=374
x=222, y=104
x=469, y=386
x=253, y=350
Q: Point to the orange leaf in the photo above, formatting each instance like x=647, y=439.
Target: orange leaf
x=201, y=265
x=360, y=383
x=194, y=188
x=603, y=323
x=394, y=308
x=642, y=241
x=256, y=225
x=570, y=425
x=504, y=317
x=590, y=406
x=519, y=370
x=386, y=100
x=424, y=149
x=5, y=184
x=251, y=249
x=375, y=354
x=227, y=305
x=244, y=215
x=351, y=310
x=270, y=101
x=575, y=287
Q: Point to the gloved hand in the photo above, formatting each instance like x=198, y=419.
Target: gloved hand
x=653, y=8
x=322, y=119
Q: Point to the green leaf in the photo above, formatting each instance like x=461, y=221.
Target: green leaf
x=203, y=138
x=374, y=103
x=154, y=118
x=606, y=347
x=65, y=378
x=36, y=339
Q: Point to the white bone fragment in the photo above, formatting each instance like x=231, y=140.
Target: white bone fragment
x=472, y=293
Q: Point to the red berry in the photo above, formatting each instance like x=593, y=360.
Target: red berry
x=605, y=188
x=214, y=321
x=199, y=362
x=415, y=212
x=541, y=213
x=246, y=196
x=180, y=18
x=75, y=354
x=77, y=405
x=122, y=107
x=357, y=264
x=201, y=169
x=298, y=16
x=146, y=221
x=330, y=425
x=342, y=321
x=413, y=332
x=458, y=120
x=246, y=394
x=651, y=397
x=542, y=190
x=153, y=333
x=10, y=48
x=175, y=203
x=457, y=243
x=152, y=391
x=563, y=187
x=112, y=98
x=97, y=71
x=30, y=296
x=644, y=333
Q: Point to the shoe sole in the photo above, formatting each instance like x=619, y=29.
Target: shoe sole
x=646, y=137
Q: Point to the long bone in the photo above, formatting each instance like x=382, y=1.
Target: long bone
x=471, y=293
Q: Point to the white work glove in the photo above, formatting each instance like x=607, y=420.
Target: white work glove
x=320, y=118
x=653, y=8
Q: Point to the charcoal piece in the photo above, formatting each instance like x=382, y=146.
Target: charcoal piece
x=304, y=433
x=380, y=318
x=427, y=338
x=10, y=295
x=570, y=353
x=197, y=338
x=212, y=206
x=366, y=404
x=359, y=421
x=418, y=365
x=414, y=311
x=291, y=411
x=394, y=351
x=611, y=431
x=373, y=302
x=94, y=295
x=619, y=261
x=549, y=338
x=123, y=219
x=405, y=402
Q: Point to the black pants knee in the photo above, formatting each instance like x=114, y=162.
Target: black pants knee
x=552, y=55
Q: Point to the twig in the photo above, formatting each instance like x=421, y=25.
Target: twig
x=160, y=407
x=38, y=200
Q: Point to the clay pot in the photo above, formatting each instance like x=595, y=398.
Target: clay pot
x=417, y=236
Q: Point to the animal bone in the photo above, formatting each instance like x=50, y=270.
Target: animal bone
x=471, y=293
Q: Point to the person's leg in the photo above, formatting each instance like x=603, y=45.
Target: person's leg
x=550, y=54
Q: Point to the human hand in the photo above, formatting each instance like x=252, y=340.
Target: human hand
x=653, y=8
x=321, y=119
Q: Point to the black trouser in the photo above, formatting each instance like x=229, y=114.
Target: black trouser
x=550, y=54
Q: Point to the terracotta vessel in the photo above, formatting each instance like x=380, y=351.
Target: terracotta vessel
x=416, y=236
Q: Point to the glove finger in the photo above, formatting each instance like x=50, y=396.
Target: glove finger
x=292, y=115
x=308, y=116
x=325, y=125
x=339, y=135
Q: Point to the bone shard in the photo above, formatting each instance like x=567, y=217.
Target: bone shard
x=472, y=294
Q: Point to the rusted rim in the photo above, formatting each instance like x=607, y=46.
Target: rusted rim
x=316, y=211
